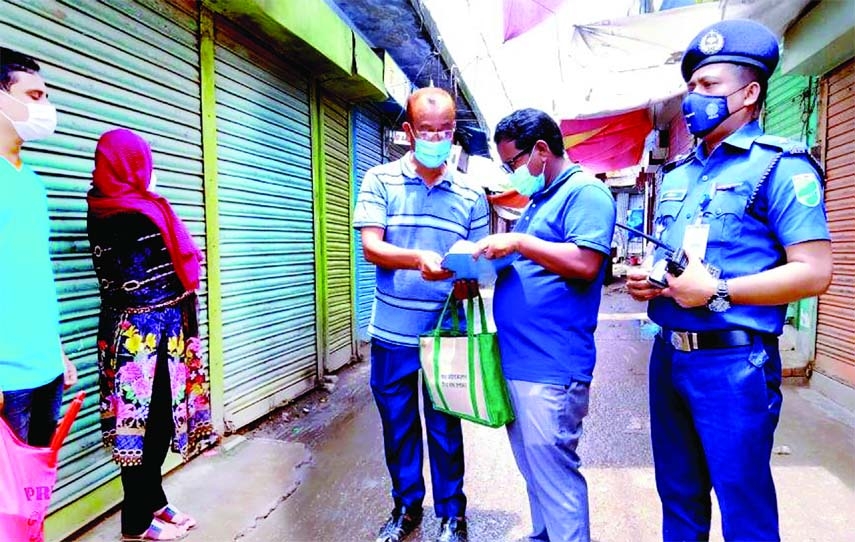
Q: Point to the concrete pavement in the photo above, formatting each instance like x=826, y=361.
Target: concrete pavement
x=314, y=471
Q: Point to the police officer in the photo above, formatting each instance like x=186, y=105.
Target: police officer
x=751, y=205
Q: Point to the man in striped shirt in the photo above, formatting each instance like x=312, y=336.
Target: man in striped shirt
x=409, y=213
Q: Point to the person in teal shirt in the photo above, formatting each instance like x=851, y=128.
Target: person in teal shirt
x=33, y=367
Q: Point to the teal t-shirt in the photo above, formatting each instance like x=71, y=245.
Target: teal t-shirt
x=30, y=353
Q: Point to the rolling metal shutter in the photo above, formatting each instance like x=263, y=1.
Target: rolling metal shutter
x=835, y=338
x=96, y=57
x=790, y=107
x=394, y=152
x=338, y=251
x=790, y=111
x=368, y=152
x=266, y=221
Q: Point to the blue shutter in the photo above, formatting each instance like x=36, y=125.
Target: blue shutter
x=368, y=152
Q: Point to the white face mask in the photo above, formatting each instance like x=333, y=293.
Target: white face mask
x=152, y=184
x=40, y=123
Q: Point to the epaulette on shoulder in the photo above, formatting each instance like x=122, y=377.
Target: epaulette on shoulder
x=680, y=160
x=782, y=144
x=789, y=147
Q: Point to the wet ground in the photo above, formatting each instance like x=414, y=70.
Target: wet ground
x=344, y=495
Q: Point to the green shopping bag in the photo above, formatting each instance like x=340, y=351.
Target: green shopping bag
x=463, y=373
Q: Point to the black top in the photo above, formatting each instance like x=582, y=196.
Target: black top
x=133, y=266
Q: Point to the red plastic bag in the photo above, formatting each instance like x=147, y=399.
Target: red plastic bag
x=27, y=477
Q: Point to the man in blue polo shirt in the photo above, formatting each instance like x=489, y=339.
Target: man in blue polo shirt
x=545, y=307
x=409, y=213
x=33, y=367
x=752, y=206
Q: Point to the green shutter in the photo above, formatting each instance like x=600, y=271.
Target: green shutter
x=107, y=64
x=336, y=177
x=266, y=228
x=790, y=106
x=790, y=111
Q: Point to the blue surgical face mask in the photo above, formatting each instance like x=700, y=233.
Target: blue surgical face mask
x=524, y=182
x=432, y=154
x=705, y=113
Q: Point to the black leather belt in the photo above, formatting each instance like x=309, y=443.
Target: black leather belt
x=687, y=341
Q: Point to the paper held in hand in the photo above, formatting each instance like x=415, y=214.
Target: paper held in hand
x=459, y=260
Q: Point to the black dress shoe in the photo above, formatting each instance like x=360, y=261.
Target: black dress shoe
x=400, y=524
x=453, y=530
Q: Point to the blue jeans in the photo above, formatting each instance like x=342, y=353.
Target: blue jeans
x=713, y=415
x=32, y=414
x=544, y=437
x=395, y=384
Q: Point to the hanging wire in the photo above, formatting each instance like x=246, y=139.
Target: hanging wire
x=807, y=105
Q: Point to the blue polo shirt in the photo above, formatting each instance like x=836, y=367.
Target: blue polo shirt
x=546, y=322
x=30, y=354
x=788, y=209
x=395, y=198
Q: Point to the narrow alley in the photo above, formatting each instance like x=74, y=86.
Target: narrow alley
x=314, y=471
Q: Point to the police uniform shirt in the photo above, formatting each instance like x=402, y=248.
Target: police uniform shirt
x=787, y=209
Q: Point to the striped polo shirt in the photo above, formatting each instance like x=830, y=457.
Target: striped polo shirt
x=395, y=198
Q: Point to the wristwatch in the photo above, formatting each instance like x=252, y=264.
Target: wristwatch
x=720, y=300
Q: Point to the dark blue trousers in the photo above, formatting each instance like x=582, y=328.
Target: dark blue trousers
x=395, y=385
x=713, y=415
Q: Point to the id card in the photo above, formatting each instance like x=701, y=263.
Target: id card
x=695, y=239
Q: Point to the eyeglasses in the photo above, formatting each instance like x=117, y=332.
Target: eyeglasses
x=508, y=165
x=431, y=135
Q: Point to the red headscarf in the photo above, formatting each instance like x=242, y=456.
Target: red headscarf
x=123, y=167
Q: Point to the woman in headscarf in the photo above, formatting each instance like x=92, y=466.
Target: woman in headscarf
x=155, y=390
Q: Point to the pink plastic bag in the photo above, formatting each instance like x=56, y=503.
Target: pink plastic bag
x=27, y=477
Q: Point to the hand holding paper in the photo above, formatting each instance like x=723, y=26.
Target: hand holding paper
x=432, y=267
x=466, y=261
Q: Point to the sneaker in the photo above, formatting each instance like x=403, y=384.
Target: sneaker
x=453, y=530
x=400, y=524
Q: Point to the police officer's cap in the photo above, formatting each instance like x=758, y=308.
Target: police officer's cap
x=735, y=41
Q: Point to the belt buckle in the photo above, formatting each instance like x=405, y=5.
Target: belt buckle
x=681, y=340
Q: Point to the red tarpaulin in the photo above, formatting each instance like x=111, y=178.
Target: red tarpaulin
x=523, y=15
x=607, y=143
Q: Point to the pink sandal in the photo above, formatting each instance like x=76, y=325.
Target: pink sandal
x=158, y=530
x=174, y=516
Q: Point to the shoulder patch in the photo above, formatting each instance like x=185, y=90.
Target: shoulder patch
x=807, y=190
x=679, y=161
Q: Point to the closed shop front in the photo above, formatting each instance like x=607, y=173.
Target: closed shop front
x=338, y=251
x=368, y=152
x=790, y=108
x=835, y=342
x=394, y=151
x=791, y=111
x=266, y=227
x=97, y=59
